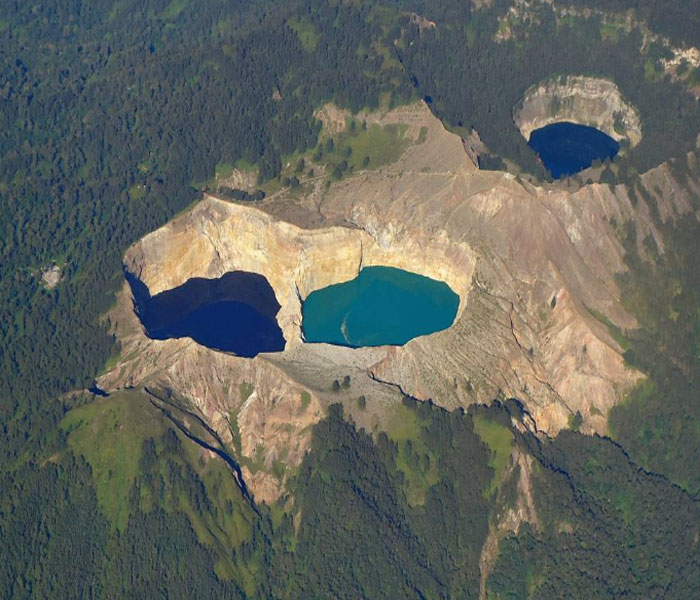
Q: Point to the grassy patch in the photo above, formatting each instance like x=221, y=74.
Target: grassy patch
x=246, y=389
x=533, y=581
x=499, y=439
x=362, y=147
x=305, y=400
x=625, y=503
x=235, y=431
x=417, y=462
x=257, y=461
x=609, y=32
x=243, y=165
x=223, y=170
x=419, y=466
x=652, y=72
x=645, y=390
x=200, y=186
x=612, y=328
x=595, y=411
x=405, y=424
x=110, y=363
x=575, y=421
x=109, y=433
x=174, y=9
x=271, y=186
x=229, y=524
x=137, y=192
x=569, y=21
x=306, y=32
x=382, y=145
x=388, y=62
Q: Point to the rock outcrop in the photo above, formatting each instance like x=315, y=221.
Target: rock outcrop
x=583, y=100
x=51, y=276
x=532, y=267
x=218, y=237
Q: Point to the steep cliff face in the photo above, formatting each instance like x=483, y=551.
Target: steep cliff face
x=583, y=100
x=532, y=266
x=218, y=237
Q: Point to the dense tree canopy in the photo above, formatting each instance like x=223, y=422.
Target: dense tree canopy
x=114, y=113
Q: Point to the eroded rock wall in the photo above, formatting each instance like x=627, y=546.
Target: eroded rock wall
x=217, y=237
x=533, y=266
x=583, y=100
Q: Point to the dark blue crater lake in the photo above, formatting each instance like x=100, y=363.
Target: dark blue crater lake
x=234, y=313
x=381, y=306
x=567, y=148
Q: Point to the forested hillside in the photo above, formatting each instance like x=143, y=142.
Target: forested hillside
x=407, y=512
x=473, y=82
x=114, y=113
x=107, y=124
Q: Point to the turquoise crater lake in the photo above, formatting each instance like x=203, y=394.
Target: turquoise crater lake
x=381, y=306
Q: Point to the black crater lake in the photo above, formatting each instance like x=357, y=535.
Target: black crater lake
x=381, y=306
x=567, y=148
x=234, y=313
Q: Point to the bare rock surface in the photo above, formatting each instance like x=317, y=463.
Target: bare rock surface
x=583, y=100
x=51, y=276
x=534, y=268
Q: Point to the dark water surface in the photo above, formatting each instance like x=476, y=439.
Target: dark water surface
x=234, y=313
x=381, y=306
x=567, y=148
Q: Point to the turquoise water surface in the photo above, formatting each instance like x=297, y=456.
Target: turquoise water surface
x=381, y=306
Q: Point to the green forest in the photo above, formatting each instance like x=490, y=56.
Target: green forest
x=114, y=112
x=404, y=514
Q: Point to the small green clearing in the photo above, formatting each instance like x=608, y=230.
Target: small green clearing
x=110, y=363
x=224, y=170
x=610, y=32
x=624, y=501
x=382, y=145
x=404, y=424
x=613, y=329
x=244, y=165
x=246, y=389
x=652, y=72
x=175, y=474
x=235, y=431
x=305, y=401
x=137, y=192
x=109, y=433
x=174, y=9
x=417, y=462
x=361, y=147
x=306, y=32
x=499, y=439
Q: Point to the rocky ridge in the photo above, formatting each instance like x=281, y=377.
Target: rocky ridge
x=532, y=266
